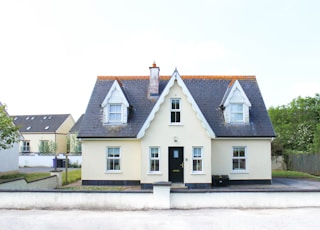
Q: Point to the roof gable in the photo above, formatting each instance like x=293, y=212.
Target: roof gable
x=175, y=77
x=234, y=87
x=115, y=93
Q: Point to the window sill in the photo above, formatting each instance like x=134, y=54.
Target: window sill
x=197, y=173
x=240, y=172
x=113, y=172
x=176, y=124
x=154, y=173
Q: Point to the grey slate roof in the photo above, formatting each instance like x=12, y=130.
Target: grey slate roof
x=76, y=127
x=47, y=123
x=207, y=92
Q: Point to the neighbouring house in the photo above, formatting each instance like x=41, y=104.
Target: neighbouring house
x=74, y=145
x=9, y=158
x=44, y=133
x=138, y=130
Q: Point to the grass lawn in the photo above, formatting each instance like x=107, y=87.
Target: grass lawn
x=28, y=176
x=73, y=176
x=293, y=174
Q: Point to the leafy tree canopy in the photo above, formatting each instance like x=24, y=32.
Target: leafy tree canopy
x=297, y=126
x=8, y=131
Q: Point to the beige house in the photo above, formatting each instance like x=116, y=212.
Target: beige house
x=140, y=130
x=74, y=145
x=44, y=133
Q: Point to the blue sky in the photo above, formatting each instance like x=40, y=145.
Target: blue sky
x=52, y=51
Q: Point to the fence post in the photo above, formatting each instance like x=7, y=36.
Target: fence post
x=161, y=194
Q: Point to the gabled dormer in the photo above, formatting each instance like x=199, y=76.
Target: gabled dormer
x=115, y=106
x=235, y=104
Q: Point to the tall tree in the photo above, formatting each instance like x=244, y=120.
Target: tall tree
x=296, y=125
x=8, y=131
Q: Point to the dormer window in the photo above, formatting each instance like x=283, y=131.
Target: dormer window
x=115, y=106
x=237, y=112
x=235, y=104
x=115, y=113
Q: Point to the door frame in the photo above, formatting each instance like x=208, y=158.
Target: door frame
x=176, y=165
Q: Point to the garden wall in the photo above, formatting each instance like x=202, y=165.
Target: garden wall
x=160, y=198
x=46, y=161
x=51, y=182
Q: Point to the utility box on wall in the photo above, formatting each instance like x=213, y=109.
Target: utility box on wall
x=220, y=180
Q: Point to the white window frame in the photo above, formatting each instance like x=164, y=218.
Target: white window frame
x=175, y=110
x=113, y=158
x=197, y=158
x=239, y=158
x=152, y=158
x=234, y=113
x=25, y=146
x=117, y=112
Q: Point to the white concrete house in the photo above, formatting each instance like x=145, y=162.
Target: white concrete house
x=138, y=130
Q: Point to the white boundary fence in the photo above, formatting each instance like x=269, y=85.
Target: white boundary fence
x=46, y=161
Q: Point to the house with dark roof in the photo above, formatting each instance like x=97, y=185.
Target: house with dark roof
x=138, y=130
x=74, y=145
x=45, y=133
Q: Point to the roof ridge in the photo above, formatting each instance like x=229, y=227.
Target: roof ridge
x=167, y=77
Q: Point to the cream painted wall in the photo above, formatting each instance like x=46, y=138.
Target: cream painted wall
x=35, y=138
x=189, y=134
x=66, y=125
x=258, y=158
x=94, y=162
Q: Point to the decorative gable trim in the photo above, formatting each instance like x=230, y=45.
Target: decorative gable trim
x=115, y=87
x=230, y=92
x=175, y=77
x=115, y=96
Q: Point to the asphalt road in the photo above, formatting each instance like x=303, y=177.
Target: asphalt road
x=303, y=218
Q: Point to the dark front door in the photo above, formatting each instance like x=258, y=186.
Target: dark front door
x=176, y=164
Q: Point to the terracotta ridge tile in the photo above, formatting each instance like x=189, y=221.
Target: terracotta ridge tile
x=167, y=77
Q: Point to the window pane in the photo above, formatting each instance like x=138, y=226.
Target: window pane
x=175, y=104
x=197, y=152
x=239, y=158
x=154, y=159
x=154, y=165
x=113, y=152
x=242, y=164
x=177, y=116
x=113, y=159
x=236, y=108
x=235, y=164
x=115, y=117
x=197, y=165
x=115, y=113
x=115, y=108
